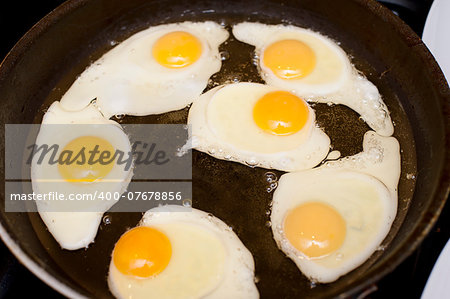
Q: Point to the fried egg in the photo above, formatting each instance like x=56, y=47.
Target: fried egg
x=179, y=252
x=74, y=223
x=331, y=219
x=315, y=68
x=157, y=70
x=257, y=125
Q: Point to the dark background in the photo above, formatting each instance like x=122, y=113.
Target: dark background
x=406, y=281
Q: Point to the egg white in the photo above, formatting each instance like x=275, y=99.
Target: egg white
x=333, y=80
x=222, y=125
x=208, y=260
x=362, y=188
x=77, y=228
x=128, y=80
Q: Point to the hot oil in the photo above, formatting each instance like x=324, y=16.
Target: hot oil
x=233, y=192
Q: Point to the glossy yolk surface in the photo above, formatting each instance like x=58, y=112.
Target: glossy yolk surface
x=315, y=229
x=280, y=113
x=78, y=169
x=142, y=252
x=289, y=59
x=177, y=49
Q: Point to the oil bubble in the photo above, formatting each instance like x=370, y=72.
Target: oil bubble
x=251, y=163
x=271, y=177
x=410, y=176
x=107, y=219
x=224, y=55
x=187, y=203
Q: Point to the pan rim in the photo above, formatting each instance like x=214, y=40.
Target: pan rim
x=36, y=269
x=413, y=239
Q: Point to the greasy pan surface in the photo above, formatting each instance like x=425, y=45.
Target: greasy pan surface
x=45, y=63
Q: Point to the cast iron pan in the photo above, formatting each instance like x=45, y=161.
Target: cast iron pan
x=43, y=65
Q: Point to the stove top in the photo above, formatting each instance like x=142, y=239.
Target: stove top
x=406, y=281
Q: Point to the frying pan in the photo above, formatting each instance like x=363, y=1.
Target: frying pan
x=44, y=63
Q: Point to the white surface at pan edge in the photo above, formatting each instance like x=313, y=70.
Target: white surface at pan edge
x=436, y=37
x=436, y=34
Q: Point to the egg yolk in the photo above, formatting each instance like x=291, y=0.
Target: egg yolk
x=315, y=229
x=142, y=252
x=177, y=49
x=280, y=113
x=78, y=169
x=289, y=59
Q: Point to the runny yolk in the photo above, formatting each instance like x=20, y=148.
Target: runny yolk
x=142, y=252
x=289, y=59
x=78, y=169
x=177, y=49
x=280, y=113
x=315, y=229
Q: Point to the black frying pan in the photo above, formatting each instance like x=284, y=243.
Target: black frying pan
x=46, y=61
